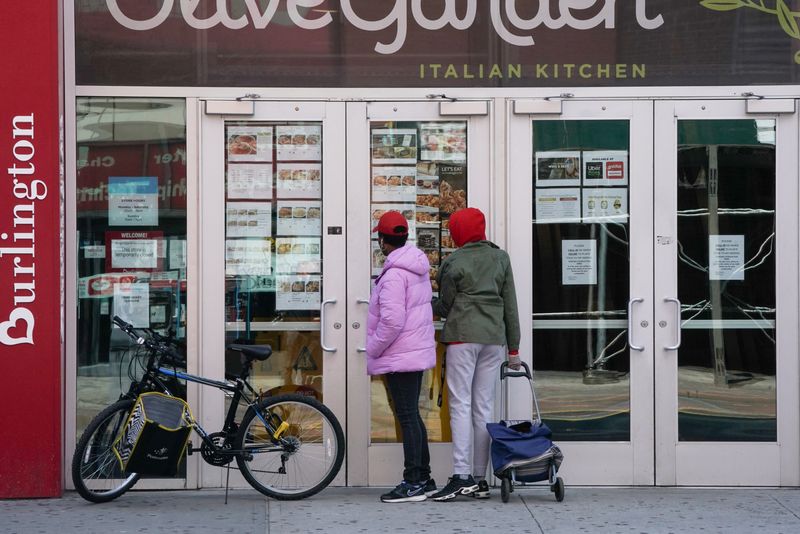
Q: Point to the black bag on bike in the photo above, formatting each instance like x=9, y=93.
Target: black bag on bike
x=155, y=435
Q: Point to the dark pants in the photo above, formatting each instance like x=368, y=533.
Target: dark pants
x=404, y=388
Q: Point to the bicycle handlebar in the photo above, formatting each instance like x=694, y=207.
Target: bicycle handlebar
x=161, y=345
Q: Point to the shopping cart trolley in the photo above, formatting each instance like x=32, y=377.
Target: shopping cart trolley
x=522, y=451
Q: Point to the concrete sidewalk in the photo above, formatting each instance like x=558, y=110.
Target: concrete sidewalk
x=355, y=510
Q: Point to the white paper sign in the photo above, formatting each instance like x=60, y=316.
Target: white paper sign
x=298, y=292
x=394, y=146
x=726, y=257
x=605, y=205
x=608, y=167
x=558, y=169
x=132, y=304
x=299, y=143
x=134, y=253
x=394, y=184
x=94, y=251
x=299, y=217
x=248, y=257
x=296, y=255
x=249, y=219
x=177, y=253
x=578, y=262
x=558, y=205
x=250, y=181
x=133, y=201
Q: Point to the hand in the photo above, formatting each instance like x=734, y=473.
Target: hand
x=514, y=361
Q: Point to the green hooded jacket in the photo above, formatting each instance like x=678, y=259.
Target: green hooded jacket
x=477, y=297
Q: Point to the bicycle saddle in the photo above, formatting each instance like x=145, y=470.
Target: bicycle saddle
x=253, y=352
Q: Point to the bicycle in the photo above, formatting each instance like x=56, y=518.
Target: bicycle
x=287, y=446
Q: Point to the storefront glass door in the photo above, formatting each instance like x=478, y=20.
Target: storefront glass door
x=273, y=253
x=656, y=289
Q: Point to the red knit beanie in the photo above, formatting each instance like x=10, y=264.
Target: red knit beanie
x=467, y=225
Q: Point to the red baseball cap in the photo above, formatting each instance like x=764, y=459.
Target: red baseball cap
x=392, y=223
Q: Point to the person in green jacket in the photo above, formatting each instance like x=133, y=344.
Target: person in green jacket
x=478, y=301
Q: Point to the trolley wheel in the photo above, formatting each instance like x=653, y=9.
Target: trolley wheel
x=505, y=489
x=558, y=489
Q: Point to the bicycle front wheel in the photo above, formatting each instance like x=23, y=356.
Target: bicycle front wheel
x=96, y=472
x=308, y=455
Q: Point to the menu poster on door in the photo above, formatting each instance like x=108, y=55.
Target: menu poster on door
x=558, y=169
x=250, y=181
x=298, y=292
x=248, y=257
x=452, y=188
x=407, y=210
x=557, y=205
x=394, y=184
x=444, y=141
x=726, y=257
x=578, y=262
x=249, y=219
x=394, y=146
x=132, y=304
x=377, y=258
x=604, y=168
x=299, y=180
x=134, y=250
x=299, y=143
x=605, y=205
x=298, y=255
x=299, y=217
x=133, y=201
x=249, y=143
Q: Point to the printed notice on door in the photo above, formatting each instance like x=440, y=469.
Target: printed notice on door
x=133, y=201
x=132, y=304
x=605, y=168
x=558, y=169
x=558, y=205
x=726, y=257
x=579, y=262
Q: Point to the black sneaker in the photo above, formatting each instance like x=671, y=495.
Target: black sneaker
x=429, y=487
x=482, y=492
x=456, y=486
x=405, y=492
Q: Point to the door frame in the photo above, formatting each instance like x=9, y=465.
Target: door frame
x=726, y=463
x=623, y=463
x=384, y=460
x=211, y=265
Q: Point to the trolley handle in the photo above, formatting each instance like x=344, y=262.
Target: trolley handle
x=504, y=372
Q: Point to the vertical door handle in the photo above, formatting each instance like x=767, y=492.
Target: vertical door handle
x=322, y=325
x=677, y=322
x=630, y=324
x=362, y=301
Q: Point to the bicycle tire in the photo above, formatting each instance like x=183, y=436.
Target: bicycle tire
x=96, y=472
x=310, y=467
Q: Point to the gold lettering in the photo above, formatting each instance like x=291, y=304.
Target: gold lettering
x=496, y=72
x=570, y=67
x=467, y=73
x=421, y=70
x=435, y=67
x=622, y=70
x=515, y=71
x=585, y=71
x=604, y=71
x=640, y=70
x=541, y=70
x=451, y=71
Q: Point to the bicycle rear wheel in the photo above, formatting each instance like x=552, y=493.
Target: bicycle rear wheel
x=96, y=471
x=304, y=461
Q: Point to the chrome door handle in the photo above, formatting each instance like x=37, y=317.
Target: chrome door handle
x=677, y=323
x=630, y=324
x=322, y=325
x=362, y=301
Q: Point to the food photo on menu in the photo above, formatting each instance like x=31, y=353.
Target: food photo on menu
x=299, y=217
x=444, y=141
x=394, y=146
x=394, y=184
x=248, y=219
x=248, y=257
x=298, y=255
x=298, y=292
x=299, y=142
x=378, y=258
x=299, y=180
x=249, y=143
x=452, y=188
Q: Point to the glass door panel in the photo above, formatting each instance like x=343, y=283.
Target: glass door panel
x=726, y=356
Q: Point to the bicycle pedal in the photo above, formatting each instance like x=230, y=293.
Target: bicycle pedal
x=189, y=449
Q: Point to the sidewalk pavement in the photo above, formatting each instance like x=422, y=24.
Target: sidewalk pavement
x=357, y=510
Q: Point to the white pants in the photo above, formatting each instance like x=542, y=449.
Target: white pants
x=472, y=373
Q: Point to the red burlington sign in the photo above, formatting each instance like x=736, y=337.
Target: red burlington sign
x=30, y=273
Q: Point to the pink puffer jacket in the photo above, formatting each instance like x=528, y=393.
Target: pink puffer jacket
x=400, y=323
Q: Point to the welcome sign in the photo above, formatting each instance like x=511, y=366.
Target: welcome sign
x=460, y=43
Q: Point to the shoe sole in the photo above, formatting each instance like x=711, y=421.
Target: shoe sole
x=431, y=493
x=463, y=491
x=479, y=495
x=415, y=498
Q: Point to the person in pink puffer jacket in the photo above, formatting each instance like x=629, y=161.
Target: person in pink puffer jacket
x=401, y=345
